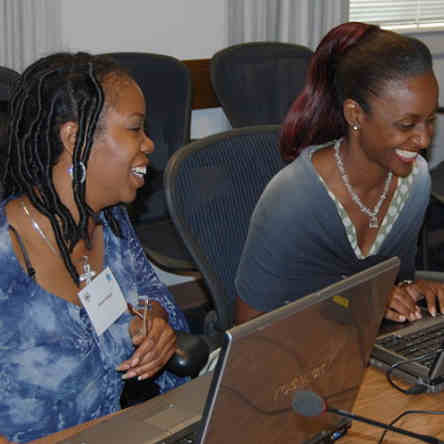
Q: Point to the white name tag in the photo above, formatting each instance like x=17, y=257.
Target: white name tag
x=103, y=300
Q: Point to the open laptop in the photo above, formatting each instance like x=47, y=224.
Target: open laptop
x=321, y=342
x=422, y=340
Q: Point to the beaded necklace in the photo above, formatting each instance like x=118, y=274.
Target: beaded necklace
x=372, y=214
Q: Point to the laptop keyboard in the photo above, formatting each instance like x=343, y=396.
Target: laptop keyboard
x=415, y=344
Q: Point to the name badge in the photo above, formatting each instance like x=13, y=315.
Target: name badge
x=103, y=300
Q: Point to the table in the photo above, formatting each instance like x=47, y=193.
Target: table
x=376, y=400
x=379, y=401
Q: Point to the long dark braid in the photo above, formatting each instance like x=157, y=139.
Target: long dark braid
x=54, y=90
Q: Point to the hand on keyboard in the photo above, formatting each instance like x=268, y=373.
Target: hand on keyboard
x=432, y=292
x=403, y=302
x=402, y=305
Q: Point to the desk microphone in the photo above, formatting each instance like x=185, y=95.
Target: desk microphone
x=307, y=403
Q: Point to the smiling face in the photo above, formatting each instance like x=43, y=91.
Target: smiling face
x=118, y=160
x=400, y=123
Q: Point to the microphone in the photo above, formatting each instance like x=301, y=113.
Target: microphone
x=308, y=403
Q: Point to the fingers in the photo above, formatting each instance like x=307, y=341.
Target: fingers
x=441, y=299
x=433, y=292
x=150, y=363
x=152, y=352
x=402, y=306
x=393, y=315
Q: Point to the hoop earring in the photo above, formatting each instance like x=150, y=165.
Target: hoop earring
x=83, y=171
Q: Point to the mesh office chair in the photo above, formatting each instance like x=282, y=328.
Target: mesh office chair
x=212, y=186
x=257, y=82
x=431, y=245
x=432, y=234
x=166, y=84
x=7, y=78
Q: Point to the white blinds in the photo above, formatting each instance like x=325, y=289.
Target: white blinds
x=417, y=13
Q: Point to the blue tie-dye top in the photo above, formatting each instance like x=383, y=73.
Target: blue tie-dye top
x=55, y=372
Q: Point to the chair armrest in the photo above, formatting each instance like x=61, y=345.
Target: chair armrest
x=191, y=356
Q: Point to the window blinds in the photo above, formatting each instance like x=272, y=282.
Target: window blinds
x=391, y=13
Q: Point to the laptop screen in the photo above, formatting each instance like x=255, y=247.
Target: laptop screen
x=321, y=342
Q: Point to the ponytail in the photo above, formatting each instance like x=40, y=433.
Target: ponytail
x=316, y=116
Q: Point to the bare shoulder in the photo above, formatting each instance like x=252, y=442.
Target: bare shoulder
x=12, y=211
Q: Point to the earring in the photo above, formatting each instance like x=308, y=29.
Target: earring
x=83, y=171
x=355, y=127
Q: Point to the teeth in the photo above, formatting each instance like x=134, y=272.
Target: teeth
x=407, y=154
x=139, y=171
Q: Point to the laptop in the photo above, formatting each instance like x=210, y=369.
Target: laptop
x=420, y=344
x=321, y=342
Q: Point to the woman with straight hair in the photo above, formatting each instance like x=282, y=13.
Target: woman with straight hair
x=356, y=187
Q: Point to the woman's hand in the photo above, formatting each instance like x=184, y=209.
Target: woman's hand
x=402, y=304
x=432, y=291
x=154, y=350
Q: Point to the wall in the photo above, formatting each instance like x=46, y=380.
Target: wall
x=186, y=29
x=172, y=27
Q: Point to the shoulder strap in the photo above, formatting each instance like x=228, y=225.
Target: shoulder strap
x=29, y=268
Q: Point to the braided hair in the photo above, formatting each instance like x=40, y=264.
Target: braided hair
x=54, y=90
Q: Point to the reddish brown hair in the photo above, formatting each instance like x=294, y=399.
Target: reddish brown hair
x=354, y=60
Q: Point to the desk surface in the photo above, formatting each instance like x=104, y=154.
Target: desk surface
x=379, y=401
x=376, y=400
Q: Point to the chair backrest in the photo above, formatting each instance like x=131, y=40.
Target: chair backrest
x=166, y=84
x=212, y=186
x=7, y=78
x=257, y=82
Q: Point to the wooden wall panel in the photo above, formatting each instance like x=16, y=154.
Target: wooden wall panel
x=203, y=93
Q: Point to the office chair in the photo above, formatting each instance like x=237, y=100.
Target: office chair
x=212, y=186
x=166, y=84
x=431, y=243
x=7, y=79
x=257, y=82
x=432, y=233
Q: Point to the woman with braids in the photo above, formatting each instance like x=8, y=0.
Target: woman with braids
x=356, y=188
x=69, y=259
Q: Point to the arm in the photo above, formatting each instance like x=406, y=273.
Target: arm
x=154, y=350
x=148, y=283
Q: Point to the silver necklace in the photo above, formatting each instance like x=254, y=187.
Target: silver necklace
x=372, y=214
x=88, y=272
